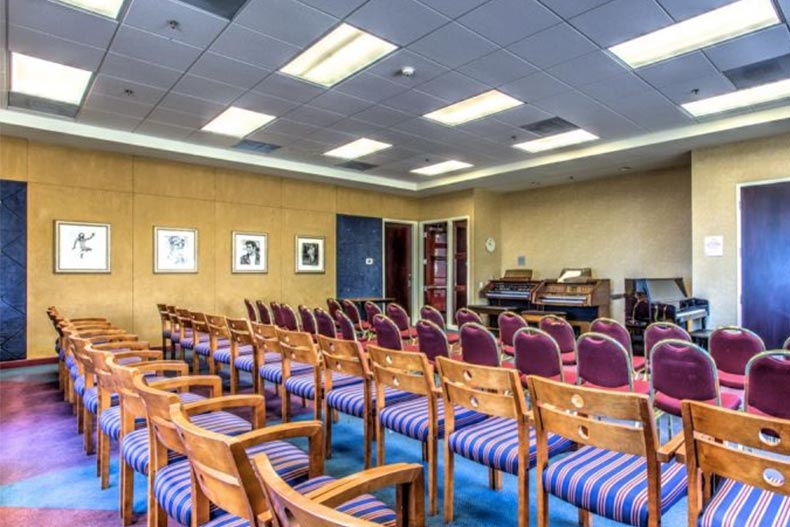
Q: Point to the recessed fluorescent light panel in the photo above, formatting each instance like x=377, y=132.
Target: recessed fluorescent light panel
x=339, y=54
x=487, y=103
x=739, y=99
x=441, y=168
x=557, y=141
x=358, y=148
x=108, y=8
x=48, y=80
x=237, y=122
x=718, y=25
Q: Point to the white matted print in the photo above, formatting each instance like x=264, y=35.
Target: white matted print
x=175, y=250
x=310, y=254
x=82, y=247
x=250, y=252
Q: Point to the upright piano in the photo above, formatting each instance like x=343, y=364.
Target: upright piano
x=577, y=294
x=663, y=299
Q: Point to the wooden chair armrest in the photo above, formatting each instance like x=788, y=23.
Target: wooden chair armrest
x=307, y=429
x=132, y=345
x=143, y=355
x=163, y=366
x=338, y=492
x=668, y=450
x=215, y=404
x=680, y=454
x=185, y=381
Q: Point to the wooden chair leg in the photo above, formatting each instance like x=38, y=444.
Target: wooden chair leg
x=494, y=479
x=234, y=378
x=285, y=404
x=328, y=433
x=104, y=458
x=80, y=414
x=380, y=455
x=433, y=476
x=585, y=518
x=87, y=438
x=543, y=501
x=449, y=490
x=368, y=433
x=195, y=363
x=523, y=496
x=127, y=492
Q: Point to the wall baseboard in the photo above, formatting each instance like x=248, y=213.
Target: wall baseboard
x=6, y=365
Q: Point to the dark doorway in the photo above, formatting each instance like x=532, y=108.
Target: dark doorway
x=765, y=261
x=398, y=263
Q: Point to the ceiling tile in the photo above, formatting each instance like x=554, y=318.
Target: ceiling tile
x=286, y=87
x=55, y=49
x=682, y=9
x=415, y=102
x=212, y=66
x=382, y=116
x=169, y=131
x=215, y=140
x=679, y=69
x=588, y=114
x=355, y=127
x=370, y=87
x=117, y=105
x=208, y=89
x=587, y=69
x=763, y=45
x=453, y=8
x=651, y=111
x=331, y=136
x=618, y=87
x=553, y=46
x=707, y=86
x=534, y=87
x=571, y=8
x=493, y=130
x=784, y=5
x=107, y=119
x=621, y=20
x=521, y=115
x=453, y=86
x=260, y=102
x=135, y=70
x=264, y=135
x=425, y=128
x=249, y=46
x=400, y=22
x=62, y=21
x=338, y=8
x=153, y=48
x=499, y=67
x=195, y=26
x=453, y=45
x=389, y=68
x=115, y=87
x=340, y=103
x=290, y=128
x=286, y=20
x=314, y=116
x=191, y=105
x=506, y=21
x=172, y=117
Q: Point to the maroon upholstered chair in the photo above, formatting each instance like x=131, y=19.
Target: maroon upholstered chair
x=732, y=347
x=604, y=363
x=325, y=324
x=537, y=353
x=612, y=328
x=768, y=384
x=478, y=345
x=400, y=316
x=290, y=322
x=371, y=310
x=562, y=332
x=432, y=340
x=787, y=344
x=658, y=331
x=348, y=330
x=683, y=370
x=509, y=323
x=352, y=312
x=264, y=315
x=251, y=314
x=308, y=320
x=431, y=313
x=277, y=314
x=464, y=315
x=334, y=307
x=388, y=334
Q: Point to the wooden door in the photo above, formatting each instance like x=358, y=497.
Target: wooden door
x=765, y=261
x=398, y=263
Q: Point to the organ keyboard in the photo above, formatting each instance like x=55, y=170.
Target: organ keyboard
x=582, y=297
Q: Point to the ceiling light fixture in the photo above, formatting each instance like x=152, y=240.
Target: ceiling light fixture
x=482, y=105
x=48, y=80
x=718, y=25
x=441, y=168
x=359, y=148
x=557, y=141
x=237, y=122
x=339, y=54
x=739, y=99
x=109, y=8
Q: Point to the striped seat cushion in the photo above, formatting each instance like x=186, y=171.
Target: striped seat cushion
x=110, y=422
x=74, y=371
x=223, y=354
x=410, y=418
x=304, y=385
x=90, y=399
x=166, y=333
x=247, y=362
x=612, y=484
x=79, y=385
x=203, y=347
x=69, y=361
x=494, y=443
x=274, y=373
x=189, y=342
x=736, y=504
x=351, y=399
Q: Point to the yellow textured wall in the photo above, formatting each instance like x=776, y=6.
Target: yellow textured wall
x=632, y=226
x=487, y=223
x=715, y=174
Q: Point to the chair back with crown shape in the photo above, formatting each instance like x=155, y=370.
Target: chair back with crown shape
x=347, y=330
x=464, y=316
x=371, y=310
x=658, y=331
x=560, y=330
x=334, y=307
x=351, y=311
x=683, y=370
x=432, y=314
x=537, y=353
x=509, y=322
x=732, y=347
x=398, y=314
x=264, y=315
x=432, y=340
x=290, y=320
x=324, y=323
x=307, y=319
x=603, y=362
x=387, y=333
x=768, y=384
x=478, y=345
x=251, y=314
x=612, y=328
x=277, y=314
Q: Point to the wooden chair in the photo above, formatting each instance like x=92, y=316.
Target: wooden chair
x=299, y=348
x=267, y=350
x=202, y=342
x=273, y=370
x=241, y=352
x=503, y=442
x=187, y=337
x=219, y=343
x=175, y=330
x=747, y=454
x=164, y=318
x=620, y=471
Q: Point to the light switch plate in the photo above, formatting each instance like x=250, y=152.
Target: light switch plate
x=368, y=261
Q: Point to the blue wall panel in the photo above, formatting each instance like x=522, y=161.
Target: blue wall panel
x=358, y=238
x=13, y=270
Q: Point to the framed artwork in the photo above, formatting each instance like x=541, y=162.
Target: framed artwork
x=82, y=247
x=175, y=250
x=250, y=252
x=310, y=254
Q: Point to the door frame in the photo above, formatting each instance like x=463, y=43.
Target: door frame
x=414, y=260
x=738, y=247
x=450, y=262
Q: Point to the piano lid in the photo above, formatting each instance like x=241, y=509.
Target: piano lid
x=664, y=290
x=571, y=275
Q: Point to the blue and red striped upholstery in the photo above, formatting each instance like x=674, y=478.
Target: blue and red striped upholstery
x=612, y=484
x=204, y=348
x=90, y=399
x=736, y=504
x=351, y=399
x=410, y=418
x=494, y=443
x=247, y=362
x=274, y=372
x=304, y=385
x=223, y=354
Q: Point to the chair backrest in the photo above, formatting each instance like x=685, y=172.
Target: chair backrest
x=612, y=328
x=428, y=312
x=217, y=329
x=432, y=340
x=509, y=322
x=560, y=330
x=603, y=362
x=184, y=320
x=199, y=326
x=347, y=330
x=324, y=323
x=298, y=346
x=478, y=345
x=266, y=340
x=371, y=309
x=786, y=345
x=402, y=370
x=398, y=314
x=715, y=439
x=240, y=335
x=465, y=315
x=387, y=333
x=251, y=314
x=277, y=313
x=334, y=307
x=658, y=331
x=307, y=319
x=164, y=316
x=290, y=320
x=351, y=310
x=343, y=356
x=683, y=370
x=732, y=347
x=175, y=326
x=537, y=353
x=768, y=384
x=264, y=315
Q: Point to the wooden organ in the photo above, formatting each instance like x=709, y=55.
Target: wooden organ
x=576, y=293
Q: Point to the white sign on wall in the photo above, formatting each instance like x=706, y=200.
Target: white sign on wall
x=714, y=245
